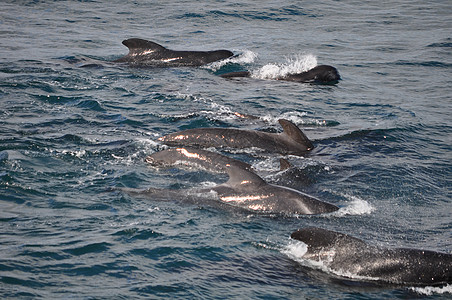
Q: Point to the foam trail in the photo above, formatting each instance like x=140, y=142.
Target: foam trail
x=430, y=290
x=300, y=63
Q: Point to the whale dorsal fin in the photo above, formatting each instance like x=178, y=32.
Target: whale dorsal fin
x=242, y=177
x=292, y=131
x=140, y=45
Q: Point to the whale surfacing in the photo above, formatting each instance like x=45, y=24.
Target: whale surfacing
x=244, y=189
x=291, y=141
x=247, y=190
x=143, y=53
x=343, y=253
x=322, y=74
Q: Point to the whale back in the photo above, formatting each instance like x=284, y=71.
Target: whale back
x=343, y=253
x=317, y=238
x=143, y=53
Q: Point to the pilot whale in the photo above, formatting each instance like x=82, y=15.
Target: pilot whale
x=322, y=74
x=244, y=189
x=291, y=141
x=346, y=254
x=143, y=53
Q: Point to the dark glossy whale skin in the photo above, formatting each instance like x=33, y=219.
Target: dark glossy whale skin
x=207, y=160
x=346, y=254
x=319, y=74
x=291, y=141
x=244, y=189
x=322, y=74
x=143, y=53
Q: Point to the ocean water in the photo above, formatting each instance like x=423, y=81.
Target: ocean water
x=70, y=136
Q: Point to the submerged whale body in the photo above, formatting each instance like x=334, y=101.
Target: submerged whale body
x=322, y=74
x=346, y=254
x=244, y=189
x=291, y=141
x=143, y=53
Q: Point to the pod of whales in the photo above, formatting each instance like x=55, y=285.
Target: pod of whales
x=291, y=141
x=244, y=189
x=143, y=53
x=322, y=74
x=346, y=254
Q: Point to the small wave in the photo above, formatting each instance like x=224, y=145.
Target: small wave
x=91, y=105
x=298, y=64
x=430, y=290
x=246, y=57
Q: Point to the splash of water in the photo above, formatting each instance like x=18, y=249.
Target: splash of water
x=246, y=57
x=357, y=206
x=297, y=64
x=295, y=250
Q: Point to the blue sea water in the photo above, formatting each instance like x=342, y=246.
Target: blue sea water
x=70, y=135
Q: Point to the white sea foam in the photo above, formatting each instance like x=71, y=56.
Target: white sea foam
x=217, y=112
x=430, y=290
x=357, y=206
x=293, y=116
x=153, y=209
x=78, y=154
x=220, y=112
x=269, y=164
x=297, y=64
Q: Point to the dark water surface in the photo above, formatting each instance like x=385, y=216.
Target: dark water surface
x=70, y=134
